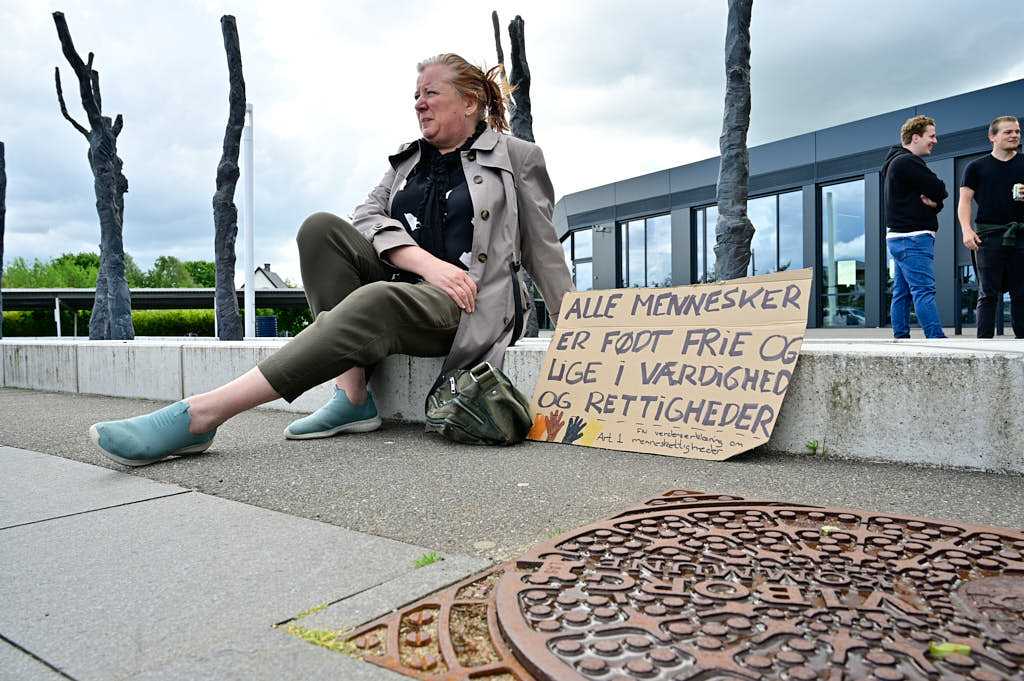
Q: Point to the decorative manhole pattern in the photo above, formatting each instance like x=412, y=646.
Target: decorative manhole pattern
x=693, y=586
x=450, y=635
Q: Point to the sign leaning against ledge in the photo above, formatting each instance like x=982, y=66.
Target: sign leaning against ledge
x=691, y=371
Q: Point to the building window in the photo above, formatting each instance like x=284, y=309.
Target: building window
x=764, y=246
x=778, y=235
x=842, y=254
x=578, y=247
x=707, y=219
x=791, y=231
x=646, y=252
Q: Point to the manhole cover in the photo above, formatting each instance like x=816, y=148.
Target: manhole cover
x=450, y=635
x=694, y=586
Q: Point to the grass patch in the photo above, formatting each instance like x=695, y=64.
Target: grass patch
x=427, y=559
x=310, y=611
x=814, y=447
x=332, y=639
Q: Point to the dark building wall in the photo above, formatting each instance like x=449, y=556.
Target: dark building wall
x=850, y=152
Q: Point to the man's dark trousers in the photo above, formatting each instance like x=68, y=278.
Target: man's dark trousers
x=1000, y=268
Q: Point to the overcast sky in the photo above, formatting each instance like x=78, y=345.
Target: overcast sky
x=619, y=89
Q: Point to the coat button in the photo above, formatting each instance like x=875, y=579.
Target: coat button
x=482, y=257
x=477, y=179
x=485, y=214
x=471, y=156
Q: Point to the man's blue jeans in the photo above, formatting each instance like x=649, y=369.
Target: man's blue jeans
x=914, y=280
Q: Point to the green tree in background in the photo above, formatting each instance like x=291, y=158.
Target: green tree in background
x=169, y=272
x=79, y=270
x=71, y=270
x=63, y=272
x=204, y=272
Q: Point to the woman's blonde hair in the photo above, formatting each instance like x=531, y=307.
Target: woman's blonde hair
x=471, y=81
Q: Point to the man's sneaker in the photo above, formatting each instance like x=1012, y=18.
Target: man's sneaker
x=151, y=437
x=337, y=416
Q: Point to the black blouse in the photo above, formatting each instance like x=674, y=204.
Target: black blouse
x=435, y=207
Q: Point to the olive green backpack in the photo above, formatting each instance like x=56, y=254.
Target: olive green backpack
x=478, y=406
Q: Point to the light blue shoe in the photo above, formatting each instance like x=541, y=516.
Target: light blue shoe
x=151, y=437
x=337, y=416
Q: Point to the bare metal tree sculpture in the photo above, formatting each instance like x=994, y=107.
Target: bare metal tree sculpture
x=225, y=213
x=497, y=42
x=3, y=219
x=734, y=230
x=112, y=310
x=522, y=116
x=521, y=122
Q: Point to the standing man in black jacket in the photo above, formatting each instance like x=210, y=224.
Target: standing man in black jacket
x=996, y=182
x=913, y=199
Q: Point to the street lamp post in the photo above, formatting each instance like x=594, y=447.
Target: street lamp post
x=249, y=309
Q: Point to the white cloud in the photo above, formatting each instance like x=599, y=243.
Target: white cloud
x=620, y=89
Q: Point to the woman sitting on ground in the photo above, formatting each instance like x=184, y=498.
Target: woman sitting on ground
x=428, y=267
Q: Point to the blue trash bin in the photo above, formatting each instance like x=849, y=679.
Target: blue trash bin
x=266, y=327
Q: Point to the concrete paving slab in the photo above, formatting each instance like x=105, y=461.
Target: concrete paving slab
x=37, y=487
x=137, y=590
x=380, y=600
x=16, y=665
x=266, y=654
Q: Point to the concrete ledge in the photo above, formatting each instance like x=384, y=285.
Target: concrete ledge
x=951, y=402
x=40, y=365
x=129, y=369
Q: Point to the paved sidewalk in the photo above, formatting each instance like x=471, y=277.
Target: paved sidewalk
x=180, y=569
x=405, y=485
x=109, y=576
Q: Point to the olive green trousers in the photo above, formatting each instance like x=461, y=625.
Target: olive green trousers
x=360, y=316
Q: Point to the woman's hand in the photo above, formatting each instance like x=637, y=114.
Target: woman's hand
x=453, y=280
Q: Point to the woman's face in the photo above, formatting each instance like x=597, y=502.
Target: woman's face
x=446, y=118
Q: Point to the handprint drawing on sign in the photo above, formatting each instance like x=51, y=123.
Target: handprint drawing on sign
x=539, y=427
x=554, y=424
x=574, y=430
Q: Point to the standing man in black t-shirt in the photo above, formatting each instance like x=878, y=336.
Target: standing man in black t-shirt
x=996, y=182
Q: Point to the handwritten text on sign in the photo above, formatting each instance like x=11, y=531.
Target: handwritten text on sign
x=696, y=371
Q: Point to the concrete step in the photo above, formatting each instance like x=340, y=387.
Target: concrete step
x=950, y=402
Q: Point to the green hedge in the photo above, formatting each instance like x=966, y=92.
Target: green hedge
x=147, y=322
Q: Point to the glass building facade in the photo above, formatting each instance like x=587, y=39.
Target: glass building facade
x=646, y=252
x=578, y=247
x=815, y=201
x=842, y=284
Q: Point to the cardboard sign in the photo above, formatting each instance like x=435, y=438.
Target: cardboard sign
x=692, y=371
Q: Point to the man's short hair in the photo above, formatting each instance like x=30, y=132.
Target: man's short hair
x=915, y=126
x=993, y=127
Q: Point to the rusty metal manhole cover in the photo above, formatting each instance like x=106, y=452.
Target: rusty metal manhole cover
x=695, y=586
x=451, y=634
x=691, y=586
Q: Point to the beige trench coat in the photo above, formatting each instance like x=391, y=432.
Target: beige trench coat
x=512, y=202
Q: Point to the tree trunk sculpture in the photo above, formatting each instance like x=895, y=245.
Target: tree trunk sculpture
x=112, y=311
x=521, y=123
x=3, y=218
x=734, y=230
x=522, y=116
x=225, y=213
